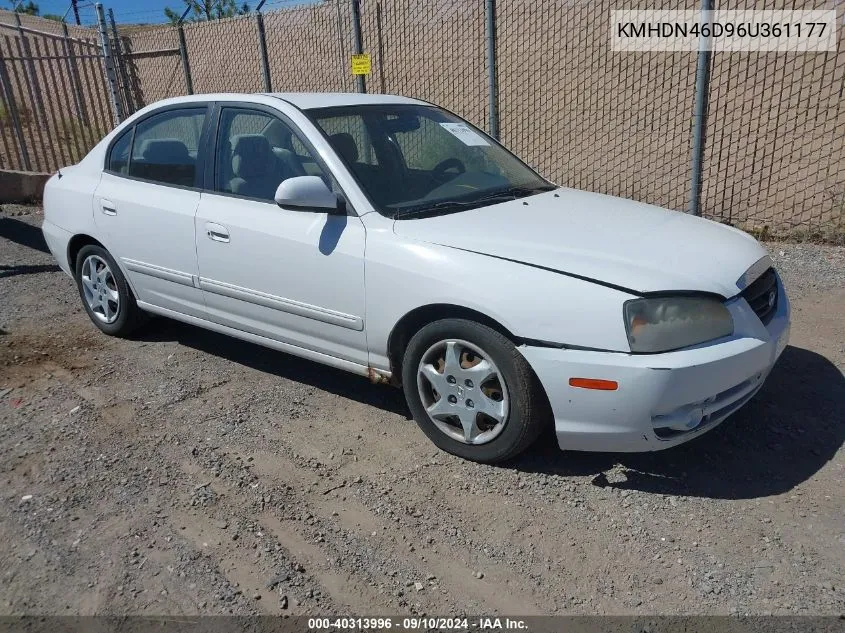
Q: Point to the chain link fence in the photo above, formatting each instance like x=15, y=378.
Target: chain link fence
x=308, y=48
x=775, y=140
x=582, y=114
x=54, y=102
x=434, y=51
x=152, y=66
x=588, y=117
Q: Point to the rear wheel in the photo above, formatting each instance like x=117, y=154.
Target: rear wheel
x=105, y=293
x=471, y=391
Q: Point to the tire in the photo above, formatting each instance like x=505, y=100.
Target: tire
x=123, y=316
x=526, y=410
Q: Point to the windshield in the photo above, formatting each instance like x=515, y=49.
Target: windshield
x=414, y=160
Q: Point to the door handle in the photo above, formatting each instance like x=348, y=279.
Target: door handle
x=216, y=232
x=108, y=207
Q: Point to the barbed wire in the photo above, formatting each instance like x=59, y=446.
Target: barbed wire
x=157, y=16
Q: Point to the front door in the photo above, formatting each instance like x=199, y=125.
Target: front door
x=293, y=276
x=146, y=202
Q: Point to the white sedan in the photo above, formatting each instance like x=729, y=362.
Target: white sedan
x=389, y=237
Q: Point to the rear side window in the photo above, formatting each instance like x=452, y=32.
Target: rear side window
x=119, y=155
x=166, y=145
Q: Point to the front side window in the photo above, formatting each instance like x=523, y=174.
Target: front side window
x=414, y=159
x=256, y=151
x=166, y=145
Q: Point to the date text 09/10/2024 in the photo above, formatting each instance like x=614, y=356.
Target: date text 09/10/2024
x=416, y=623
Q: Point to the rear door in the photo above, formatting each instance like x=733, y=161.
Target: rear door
x=146, y=202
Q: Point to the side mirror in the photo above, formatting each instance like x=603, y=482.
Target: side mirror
x=309, y=193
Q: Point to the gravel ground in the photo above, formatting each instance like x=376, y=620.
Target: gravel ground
x=183, y=472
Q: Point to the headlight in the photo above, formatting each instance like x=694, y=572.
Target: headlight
x=661, y=324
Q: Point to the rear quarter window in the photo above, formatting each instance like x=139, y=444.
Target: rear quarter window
x=118, y=160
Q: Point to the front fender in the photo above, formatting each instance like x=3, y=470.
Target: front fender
x=403, y=275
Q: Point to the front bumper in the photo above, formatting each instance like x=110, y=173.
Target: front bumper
x=663, y=399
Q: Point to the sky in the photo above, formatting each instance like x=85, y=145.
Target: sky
x=134, y=11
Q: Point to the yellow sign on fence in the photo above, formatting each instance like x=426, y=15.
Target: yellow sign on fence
x=361, y=64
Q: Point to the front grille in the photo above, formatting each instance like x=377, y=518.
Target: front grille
x=762, y=295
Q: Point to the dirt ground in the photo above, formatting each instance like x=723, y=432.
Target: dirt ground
x=184, y=472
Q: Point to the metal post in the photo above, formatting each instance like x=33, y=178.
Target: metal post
x=70, y=57
x=356, y=31
x=262, y=48
x=380, y=48
x=109, y=62
x=702, y=95
x=183, y=53
x=76, y=12
x=118, y=55
x=492, y=89
x=9, y=96
x=341, y=35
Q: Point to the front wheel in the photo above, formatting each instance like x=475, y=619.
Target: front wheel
x=471, y=391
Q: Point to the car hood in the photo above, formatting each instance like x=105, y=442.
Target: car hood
x=614, y=241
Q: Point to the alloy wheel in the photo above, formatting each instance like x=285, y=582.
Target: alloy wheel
x=100, y=289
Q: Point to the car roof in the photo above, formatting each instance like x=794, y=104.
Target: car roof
x=308, y=100
x=302, y=100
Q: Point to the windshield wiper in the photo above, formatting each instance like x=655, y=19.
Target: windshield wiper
x=521, y=192
x=444, y=206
